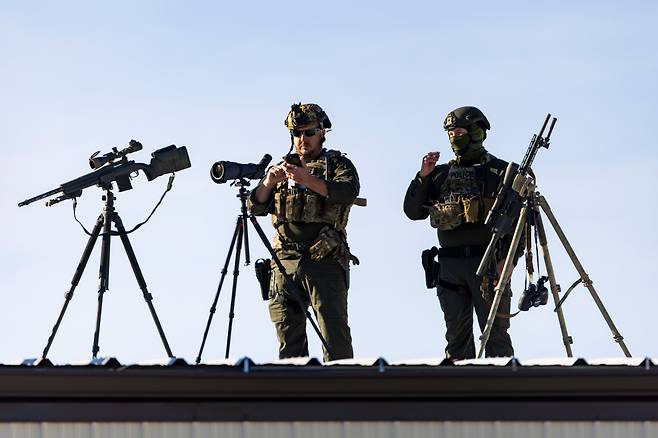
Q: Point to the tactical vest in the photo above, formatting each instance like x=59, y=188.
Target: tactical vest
x=303, y=205
x=466, y=194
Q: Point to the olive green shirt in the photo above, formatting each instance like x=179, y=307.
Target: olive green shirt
x=342, y=188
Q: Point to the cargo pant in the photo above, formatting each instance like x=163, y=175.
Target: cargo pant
x=458, y=304
x=324, y=286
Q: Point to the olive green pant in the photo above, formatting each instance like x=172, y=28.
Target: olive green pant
x=458, y=304
x=323, y=285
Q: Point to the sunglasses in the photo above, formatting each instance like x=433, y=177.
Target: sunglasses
x=306, y=132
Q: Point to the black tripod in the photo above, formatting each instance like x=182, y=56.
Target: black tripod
x=104, y=221
x=240, y=234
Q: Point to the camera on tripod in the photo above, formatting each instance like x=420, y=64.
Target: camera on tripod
x=534, y=295
x=221, y=172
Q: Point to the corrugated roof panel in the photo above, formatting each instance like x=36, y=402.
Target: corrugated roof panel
x=628, y=361
x=31, y=362
x=448, y=429
x=493, y=361
x=110, y=362
x=296, y=361
x=554, y=361
x=361, y=361
x=231, y=361
x=432, y=361
x=165, y=361
x=246, y=363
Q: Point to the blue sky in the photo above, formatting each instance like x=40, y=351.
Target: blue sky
x=219, y=78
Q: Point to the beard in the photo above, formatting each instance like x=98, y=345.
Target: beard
x=308, y=150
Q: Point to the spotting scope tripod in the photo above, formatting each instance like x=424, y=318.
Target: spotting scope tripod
x=104, y=222
x=240, y=235
x=517, y=206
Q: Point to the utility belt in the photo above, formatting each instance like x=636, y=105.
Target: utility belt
x=293, y=246
x=462, y=251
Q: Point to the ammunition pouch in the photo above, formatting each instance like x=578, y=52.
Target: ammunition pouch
x=332, y=242
x=471, y=209
x=294, y=205
x=457, y=210
x=327, y=241
x=263, y=270
x=446, y=215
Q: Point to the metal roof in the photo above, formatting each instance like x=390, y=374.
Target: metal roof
x=303, y=389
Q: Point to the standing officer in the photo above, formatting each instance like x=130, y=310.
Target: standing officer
x=309, y=195
x=457, y=197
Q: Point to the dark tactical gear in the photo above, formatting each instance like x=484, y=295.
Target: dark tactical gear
x=457, y=199
x=465, y=116
x=311, y=241
x=467, y=147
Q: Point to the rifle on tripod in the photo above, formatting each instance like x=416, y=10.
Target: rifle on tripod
x=516, y=207
x=115, y=167
x=517, y=182
x=108, y=169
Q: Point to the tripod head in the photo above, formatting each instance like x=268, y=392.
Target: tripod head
x=240, y=182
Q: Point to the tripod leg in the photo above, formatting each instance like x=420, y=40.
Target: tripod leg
x=140, y=279
x=236, y=272
x=245, y=230
x=104, y=272
x=504, y=279
x=555, y=288
x=583, y=275
x=290, y=286
x=213, y=308
x=76, y=279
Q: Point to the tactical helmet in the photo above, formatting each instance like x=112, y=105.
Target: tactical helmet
x=465, y=116
x=305, y=114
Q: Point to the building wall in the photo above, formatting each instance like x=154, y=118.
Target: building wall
x=333, y=430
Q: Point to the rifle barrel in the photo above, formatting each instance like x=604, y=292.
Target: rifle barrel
x=41, y=196
x=550, y=130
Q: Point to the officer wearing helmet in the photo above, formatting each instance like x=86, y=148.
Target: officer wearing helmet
x=457, y=196
x=309, y=195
